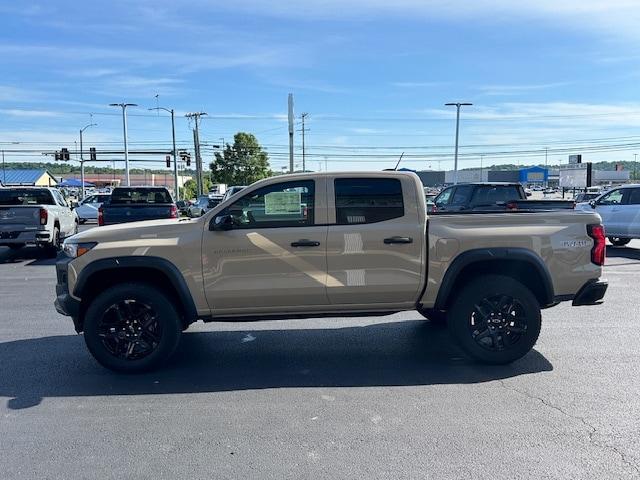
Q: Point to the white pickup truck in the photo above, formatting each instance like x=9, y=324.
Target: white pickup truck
x=36, y=216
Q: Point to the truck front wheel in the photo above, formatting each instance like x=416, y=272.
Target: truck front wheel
x=132, y=327
x=495, y=319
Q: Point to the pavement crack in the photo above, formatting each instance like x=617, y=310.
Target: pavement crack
x=592, y=430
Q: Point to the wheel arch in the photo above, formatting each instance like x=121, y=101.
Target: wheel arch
x=520, y=264
x=158, y=272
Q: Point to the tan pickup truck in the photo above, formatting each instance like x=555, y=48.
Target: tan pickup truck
x=331, y=244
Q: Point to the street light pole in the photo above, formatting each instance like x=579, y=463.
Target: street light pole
x=82, y=160
x=175, y=152
x=124, y=106
x=455, y=161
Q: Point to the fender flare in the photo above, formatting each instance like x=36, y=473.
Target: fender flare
x=157, y=263
x=489, y=255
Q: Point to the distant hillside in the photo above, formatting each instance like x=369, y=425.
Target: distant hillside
x=63, y=168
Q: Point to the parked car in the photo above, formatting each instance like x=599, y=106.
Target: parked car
x=232, y=191
x=204, y=204
x=35, y=216
x=134, y=204
x=620, y=212
x=342, y=244
x=491, y=196
x=88, y=208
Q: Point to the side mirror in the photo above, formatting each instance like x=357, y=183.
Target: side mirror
x=592, y=203
x=221, y=223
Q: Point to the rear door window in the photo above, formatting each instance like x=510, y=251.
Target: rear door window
x=634, y=196
x=367, y=200
x=461, y=195
x=490, y=195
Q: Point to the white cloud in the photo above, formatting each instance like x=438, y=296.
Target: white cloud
x=502, y=90
x=14, y=112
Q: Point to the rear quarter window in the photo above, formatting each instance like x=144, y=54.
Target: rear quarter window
x=491, y=195
x=25, y=196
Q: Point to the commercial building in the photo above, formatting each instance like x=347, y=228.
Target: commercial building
x=27, y=178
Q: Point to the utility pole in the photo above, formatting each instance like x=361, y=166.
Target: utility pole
x=290, y=115
x=635, y=161
x=455, y=160
x=196, y=144
x=546, y=167
x=124, y=106
x=4, y=172
x=303, y=116
x=481, y=160
x=175, y=152
x=82, y=160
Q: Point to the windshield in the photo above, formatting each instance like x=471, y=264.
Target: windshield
x=139, y=196
x=26, y=196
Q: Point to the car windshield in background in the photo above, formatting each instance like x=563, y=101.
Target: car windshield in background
x=26, y=197
x=140, y=196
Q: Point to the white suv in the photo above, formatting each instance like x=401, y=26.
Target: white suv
x=620, y=212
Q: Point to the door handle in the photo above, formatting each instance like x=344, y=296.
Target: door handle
x=390, y=240
x=305, y=243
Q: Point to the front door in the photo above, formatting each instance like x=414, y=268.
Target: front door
x=274, y=256
x=610, y=209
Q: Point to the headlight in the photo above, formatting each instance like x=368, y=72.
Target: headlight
x=75, y=250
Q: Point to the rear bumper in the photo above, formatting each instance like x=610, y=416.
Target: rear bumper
x=591, y=293
x=19, y=237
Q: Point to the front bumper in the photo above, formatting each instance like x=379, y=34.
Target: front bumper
x=64, y=303
x=591, y=293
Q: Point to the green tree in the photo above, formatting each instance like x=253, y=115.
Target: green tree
x=242, y=163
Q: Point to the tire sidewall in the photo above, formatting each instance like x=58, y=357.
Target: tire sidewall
x=165, y=313
x=488, y=286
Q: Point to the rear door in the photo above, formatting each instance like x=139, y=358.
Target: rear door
x=629, y=213
x=375, y=241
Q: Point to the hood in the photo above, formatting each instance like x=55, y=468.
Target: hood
x=137, y=230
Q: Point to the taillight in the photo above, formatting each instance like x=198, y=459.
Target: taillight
x=512, y=206
x=100, y=216
x=44, y=216
x=598, y=252
x=173, y=212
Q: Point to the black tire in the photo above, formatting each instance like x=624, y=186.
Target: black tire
x=16, y=246
x=495, y=319
x=619, y=241
x=153, y=328
x=436, y=317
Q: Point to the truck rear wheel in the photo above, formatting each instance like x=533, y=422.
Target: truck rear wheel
x=495, y=319
x=131, y=328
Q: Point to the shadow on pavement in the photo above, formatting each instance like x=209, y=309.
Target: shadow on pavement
x=623, y=252
x=38, y=256
x=389, y=354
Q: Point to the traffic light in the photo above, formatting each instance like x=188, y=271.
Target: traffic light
x=168, y=159
x=185, y=157
x=58, y=156
x=188, y=160
x=65, y=154
x=92, y=154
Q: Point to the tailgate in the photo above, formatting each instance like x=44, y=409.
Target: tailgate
x=18, y=218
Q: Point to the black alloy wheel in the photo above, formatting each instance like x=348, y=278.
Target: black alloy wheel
x=130, y=330
x=498, y=322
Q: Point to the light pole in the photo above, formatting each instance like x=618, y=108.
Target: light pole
x=455, y=161
x=175, y=152
x=635, y=160
x=82, y=160
x=124, y=128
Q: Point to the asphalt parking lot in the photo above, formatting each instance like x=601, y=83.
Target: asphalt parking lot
x=378, y=397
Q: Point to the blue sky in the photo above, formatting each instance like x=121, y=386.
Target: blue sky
x=373, y=76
